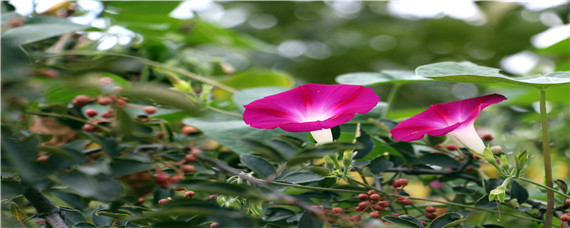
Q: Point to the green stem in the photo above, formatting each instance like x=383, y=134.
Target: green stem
x=547, y=163
x=475, y=208
x=544, y=186
x=225, y=112
x=413, y=198
x=161, y=65
x=391, y=98
x=315, y=188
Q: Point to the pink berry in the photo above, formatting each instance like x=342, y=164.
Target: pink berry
x=108, y=114
x=91, y=112
x=104, y=100
x=451, y=147
x=106, y=80
x=363, y=197
x=150, y=110
x=375, y=197
x=188, y=168
x=187, y=129
x=89, y=128
x=487, y=137
x=338, y=210
x=189, y=194
x=374, y=214
x=81, y=100
x=430, y=209
x=431, y=216
x=163, y=201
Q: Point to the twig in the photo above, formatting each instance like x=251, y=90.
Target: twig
x=161, y=65
x=45, y=208
x=286, y=198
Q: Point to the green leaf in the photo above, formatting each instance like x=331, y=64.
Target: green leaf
x=255, y=78
x=470, y=73
x=319, y=152
x=403, y=220
x=22, y=154
x=276, y=213
x=518, y=192
x=310, y=220
x=561, y=184
x=228, y=131
x=446, y=220
x=40, y=28
x=80, y=183
x=380, y=164
x=484, y=203
x=439, y=159
x=264, y=149
x=367, y=144
x=247, y=96
x=122, y=167
x=373, y=78
x=301, y=177
x=259, y=165
x=166, y=97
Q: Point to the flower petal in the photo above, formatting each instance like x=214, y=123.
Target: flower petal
x=441, y=119
x=310, y=107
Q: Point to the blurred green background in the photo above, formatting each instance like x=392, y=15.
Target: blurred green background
x=262, y=43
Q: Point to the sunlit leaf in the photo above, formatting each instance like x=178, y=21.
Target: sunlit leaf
x=40, y=28
x=375, y=78
x=470, y=73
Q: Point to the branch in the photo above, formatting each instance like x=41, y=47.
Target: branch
x=286, y=198
x=45, y=208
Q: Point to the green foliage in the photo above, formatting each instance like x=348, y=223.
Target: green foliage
x=148, y=132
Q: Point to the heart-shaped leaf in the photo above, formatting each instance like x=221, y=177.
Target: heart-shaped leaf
x=467, y=72
x=375, y=78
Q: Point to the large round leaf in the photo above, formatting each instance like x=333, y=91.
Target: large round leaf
x=470, y=73
x=375, y=78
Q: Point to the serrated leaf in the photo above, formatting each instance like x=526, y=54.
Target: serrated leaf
x=467, y=72
x=446, y=220
x=404, y=220
x=259, y=165
x=375, y=78
x=439, y=159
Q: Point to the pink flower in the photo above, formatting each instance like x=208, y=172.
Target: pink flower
x=455, y=118
x=310, y=108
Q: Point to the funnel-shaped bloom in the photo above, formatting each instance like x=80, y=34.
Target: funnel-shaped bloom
x=310, y=108
x=454, y=118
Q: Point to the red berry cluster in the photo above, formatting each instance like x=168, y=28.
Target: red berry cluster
x=164, y=180
x=564, y=218
x=430, y=213
x=106, y=99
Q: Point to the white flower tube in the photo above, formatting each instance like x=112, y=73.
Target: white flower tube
x=469, y=137
x=322, y=136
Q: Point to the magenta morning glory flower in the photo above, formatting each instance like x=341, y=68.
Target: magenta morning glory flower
x=311, y=108
x=454, y=118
